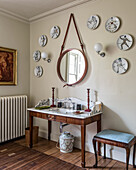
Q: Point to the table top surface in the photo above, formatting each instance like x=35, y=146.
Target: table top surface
x=65, y=112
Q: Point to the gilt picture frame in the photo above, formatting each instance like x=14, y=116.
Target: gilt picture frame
x=8, y=66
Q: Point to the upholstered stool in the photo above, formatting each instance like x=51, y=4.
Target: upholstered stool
x=115, y=138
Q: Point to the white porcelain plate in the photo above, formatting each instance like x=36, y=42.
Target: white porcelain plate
x=55, y=32
x=37, y=55
x=124, y=42
x=93, y=22
x=120, y=65
x=112, y=24
x=38, y=71
x=42, y=40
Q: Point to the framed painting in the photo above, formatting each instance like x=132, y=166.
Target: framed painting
x=8, y=66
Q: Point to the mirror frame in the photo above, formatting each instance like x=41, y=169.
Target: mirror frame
x=59, y=62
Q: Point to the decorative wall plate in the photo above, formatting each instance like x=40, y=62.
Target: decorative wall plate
x=112, y=24
x=93, y=22
x=37, y=55
x=38, y=71
x=124, y=42
x=55, y=32
x=120, y=65
x=42, y=40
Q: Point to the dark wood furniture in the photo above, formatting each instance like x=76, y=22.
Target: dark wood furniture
x=116, y=138
x=68, y=120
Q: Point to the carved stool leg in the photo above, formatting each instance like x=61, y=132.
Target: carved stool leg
x=104, y=151
x=127, y=157
x=95, y=151
x=134, y=156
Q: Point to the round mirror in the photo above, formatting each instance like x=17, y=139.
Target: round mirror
x=72, y=66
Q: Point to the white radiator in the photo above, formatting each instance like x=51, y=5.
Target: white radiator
x=13, y=119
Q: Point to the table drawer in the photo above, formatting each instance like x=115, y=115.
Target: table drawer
x=56, y=118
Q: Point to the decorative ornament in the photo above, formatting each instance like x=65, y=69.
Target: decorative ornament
x=66, y=141
x=124, y=42
x=42, y=40
x=88, y=101
x=37, y=55
x=62, y=53
x=120, y=65
x=38, y=71
x=112, y=24
x=55, y=32
x=93, y=22
x=53, y=105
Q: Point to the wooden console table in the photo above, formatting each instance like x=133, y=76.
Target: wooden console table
x=66, y=119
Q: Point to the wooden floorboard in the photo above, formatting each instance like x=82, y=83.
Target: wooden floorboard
x=18, y=157
x=49, y=148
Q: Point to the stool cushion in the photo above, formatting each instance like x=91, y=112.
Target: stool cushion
x=115, y=136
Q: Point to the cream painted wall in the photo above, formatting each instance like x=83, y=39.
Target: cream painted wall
x=117, y=92
x=16, y=35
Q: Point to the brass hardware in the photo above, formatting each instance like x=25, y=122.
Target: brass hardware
x=50, y=117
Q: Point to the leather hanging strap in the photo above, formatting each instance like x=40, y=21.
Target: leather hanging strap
x=81, y=44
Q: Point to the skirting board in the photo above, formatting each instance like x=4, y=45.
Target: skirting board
x=115, y=153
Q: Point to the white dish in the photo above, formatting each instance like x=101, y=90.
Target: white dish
x=93, y=22
x=112, y=24
x=120, y=65
x=37, y=55
x=124, y=42
x=42, y=40
x=55, y=32
x=38, y=71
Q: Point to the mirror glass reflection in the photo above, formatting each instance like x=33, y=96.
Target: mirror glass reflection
x=72, y=66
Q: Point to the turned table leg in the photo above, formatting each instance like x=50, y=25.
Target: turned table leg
x=49, y=129
x=83, y=135
x=104, y=151
x=31, y=130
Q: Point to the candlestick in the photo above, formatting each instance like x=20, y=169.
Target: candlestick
x=88, y=101
x=53, y=105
